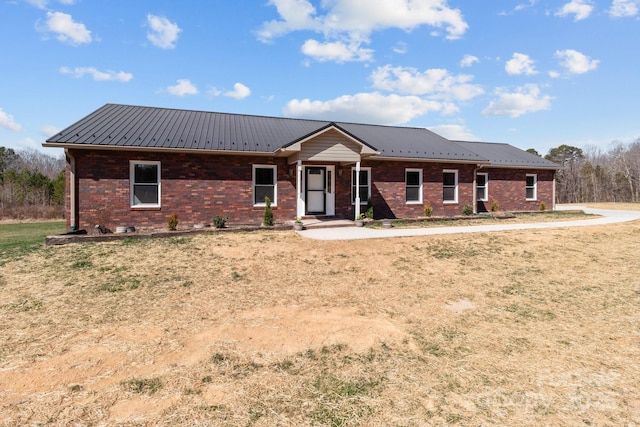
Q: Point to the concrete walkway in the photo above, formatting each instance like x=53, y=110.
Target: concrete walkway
x=358, y=233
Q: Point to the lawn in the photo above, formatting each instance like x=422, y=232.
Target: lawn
x=16, y=237
x=528, y=328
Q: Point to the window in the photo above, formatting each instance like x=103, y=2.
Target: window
x=264, y=184
x=144, y=181
x=413, y=185
x=365, y=185
x=450, y=186
x=482, y=187
x=531, y=187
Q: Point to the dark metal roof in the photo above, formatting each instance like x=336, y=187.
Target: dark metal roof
x=505, y=155
x=152, y=128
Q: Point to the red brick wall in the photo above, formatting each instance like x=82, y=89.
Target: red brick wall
x=508, y=188
x=194, y=187
x=198, y=187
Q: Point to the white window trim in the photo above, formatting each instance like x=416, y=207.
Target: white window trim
x=132, y=176
x=535, y=186
x=453, y=171
x=274, y=202
x=486, y=186
x=362, y=201
x=413, y=202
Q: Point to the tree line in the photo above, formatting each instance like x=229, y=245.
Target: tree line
x=32, y=184
x=596, y=175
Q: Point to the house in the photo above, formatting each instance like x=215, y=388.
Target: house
x=135, y=166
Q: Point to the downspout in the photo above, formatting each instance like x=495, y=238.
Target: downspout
x=553, y=190
x=73, y=203
x=357, y=207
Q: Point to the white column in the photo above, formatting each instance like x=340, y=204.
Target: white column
x=299, y=207
x=357, y=190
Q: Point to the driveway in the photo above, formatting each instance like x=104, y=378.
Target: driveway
x=357, y=233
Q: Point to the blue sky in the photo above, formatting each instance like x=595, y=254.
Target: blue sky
x=532, y=73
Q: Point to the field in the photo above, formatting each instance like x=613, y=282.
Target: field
x=265, y=328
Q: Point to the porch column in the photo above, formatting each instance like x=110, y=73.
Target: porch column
x=299, y=209
x=357, y=214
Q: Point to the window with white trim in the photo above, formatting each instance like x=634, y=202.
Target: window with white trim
x=532, y=186
x=482, y=187
x=413, y=185
x=450, y=186
x=365, y=185
x=144, y=181
x=265, y=184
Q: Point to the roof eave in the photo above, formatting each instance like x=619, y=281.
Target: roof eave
x=155, y=149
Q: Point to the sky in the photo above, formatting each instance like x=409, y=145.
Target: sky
x=531, y=73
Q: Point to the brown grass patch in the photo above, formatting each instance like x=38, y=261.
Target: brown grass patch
x=534, y=327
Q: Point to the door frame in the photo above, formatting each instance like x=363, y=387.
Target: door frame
x=329, y=190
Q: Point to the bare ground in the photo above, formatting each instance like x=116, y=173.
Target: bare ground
x=267, y=329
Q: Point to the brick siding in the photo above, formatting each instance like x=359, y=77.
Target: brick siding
x=197, y=187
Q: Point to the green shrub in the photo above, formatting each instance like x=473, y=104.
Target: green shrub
x=543, y=206
x=467, y=210
x=369, y=211
x=268, y=213
x=220, y=221
x=428, y=210
x=495, y=206
x=173, y=222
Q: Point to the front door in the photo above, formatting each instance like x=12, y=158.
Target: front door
x=316, y=185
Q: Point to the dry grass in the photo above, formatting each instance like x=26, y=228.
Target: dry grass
x=268, y=329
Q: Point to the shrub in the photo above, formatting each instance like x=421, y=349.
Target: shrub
x=543, y=206
x=268, y=213
x=220, y=221
x=369, y=211
x=495, y=206
x=428, y=210
x=467, y=210
x=173, y=222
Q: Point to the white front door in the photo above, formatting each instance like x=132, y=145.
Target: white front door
x=319, y=198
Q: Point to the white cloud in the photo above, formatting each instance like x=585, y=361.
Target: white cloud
x=520, y=64
x=526, y=99
x=66, y=30
x=336, y=51
x=581, y=9
x=183, y=88
x=49, y=130
x=42, y=4
x=364, y=108
x=437, y=83
x=7, y=122
x=164, y=33
x=100, y=76
x=355, y=20
x=522, y=6
x=575, y=62
x=623, y=8
x=400, y=48
x=468, y=61
x=239, y=91
x=454, y=132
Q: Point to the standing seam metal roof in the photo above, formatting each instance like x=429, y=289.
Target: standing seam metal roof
x=116, y=125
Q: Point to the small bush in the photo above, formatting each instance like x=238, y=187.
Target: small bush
x=369, y=211
x=428, y=210
x=467, y=210
x=172, y=223
x=220, y=221
x=495, y=206
x=268, y=213
x=542, y=207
